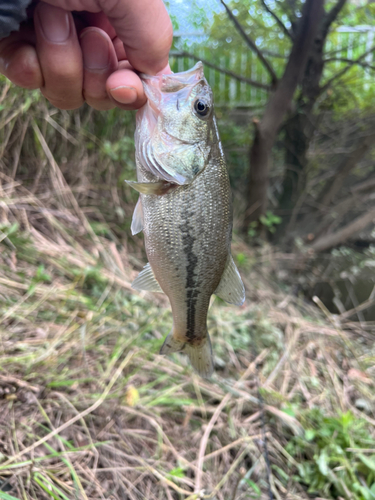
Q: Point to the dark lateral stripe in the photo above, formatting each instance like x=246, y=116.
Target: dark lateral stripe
x=191, y=283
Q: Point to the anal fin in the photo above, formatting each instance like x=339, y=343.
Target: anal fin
x=137, y=220
x=146, y=281
x=231, y=288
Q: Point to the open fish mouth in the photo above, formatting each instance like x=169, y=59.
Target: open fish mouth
x=173, y=131
x=174, y=81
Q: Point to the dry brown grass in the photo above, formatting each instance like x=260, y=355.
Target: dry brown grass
x=89, y=410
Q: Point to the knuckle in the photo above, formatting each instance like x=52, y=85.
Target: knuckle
x=100, y=105
x=63, y=101
x=22, y=68
x=95, y=94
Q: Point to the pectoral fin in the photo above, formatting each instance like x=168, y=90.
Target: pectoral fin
x=146, y=281
x=231, y=288
x=159, y=188
x=137, y=220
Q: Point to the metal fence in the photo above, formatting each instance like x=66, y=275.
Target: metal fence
x=346, y=43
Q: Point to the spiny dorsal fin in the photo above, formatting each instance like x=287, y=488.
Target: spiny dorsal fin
x=137, y=220
x=146, y=281
x=231, y=288
x=159, y=188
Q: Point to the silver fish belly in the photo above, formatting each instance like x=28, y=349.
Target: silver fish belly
x=186, y=217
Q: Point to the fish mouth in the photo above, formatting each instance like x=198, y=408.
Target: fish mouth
x=174, y=155
x=155, y=86
x=181, y=79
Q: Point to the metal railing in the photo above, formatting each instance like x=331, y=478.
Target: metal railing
x=232, y=84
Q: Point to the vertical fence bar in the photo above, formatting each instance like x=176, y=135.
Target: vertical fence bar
x=232, y=82
x=243, y=85
x=180, y=64
x=253, y=75
x=222, y=81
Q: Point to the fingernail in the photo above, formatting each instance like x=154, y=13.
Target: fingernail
x=95, y=50
x=54, y=22
x=123, y=94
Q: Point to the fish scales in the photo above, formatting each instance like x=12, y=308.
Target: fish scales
x=187, y=237
x=184, y=209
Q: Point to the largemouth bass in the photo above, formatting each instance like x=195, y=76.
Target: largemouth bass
x=184, y=209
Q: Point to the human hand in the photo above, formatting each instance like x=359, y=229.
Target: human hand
x=91, y=54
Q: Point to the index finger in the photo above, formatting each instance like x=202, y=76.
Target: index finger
x=143, y=26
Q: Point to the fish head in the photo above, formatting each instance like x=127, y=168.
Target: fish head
x=176, y=127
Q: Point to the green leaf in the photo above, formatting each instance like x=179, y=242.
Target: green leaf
x=49, y=487
x=5, y=496
x=253, y=486
x=177, y=472
x=322, y=463
x=309, y=434
x=368, y=461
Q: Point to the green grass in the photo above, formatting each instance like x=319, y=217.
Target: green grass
x=89, y=410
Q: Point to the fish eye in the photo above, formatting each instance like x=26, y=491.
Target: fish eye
x=201, y=108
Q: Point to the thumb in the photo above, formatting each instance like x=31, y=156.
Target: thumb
x=143, y=26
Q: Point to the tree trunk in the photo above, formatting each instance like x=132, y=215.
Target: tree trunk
x=276, y=109
x=296, y=140
x=300, y=127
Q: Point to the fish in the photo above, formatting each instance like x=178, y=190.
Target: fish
x=184, y=209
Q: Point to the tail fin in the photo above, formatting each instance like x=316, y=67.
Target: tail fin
x=200, y=355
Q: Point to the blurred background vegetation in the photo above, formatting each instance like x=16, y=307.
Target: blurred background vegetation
x=88, y=408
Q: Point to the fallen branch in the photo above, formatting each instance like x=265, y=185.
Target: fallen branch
x=342, y=235
x=345, y=167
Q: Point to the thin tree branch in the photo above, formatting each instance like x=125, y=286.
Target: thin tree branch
x=274, y=54
x=330, y=17
x=349, y=61
x=345, y=70
x=251, y=44
x=236, y=76
x=278, y=20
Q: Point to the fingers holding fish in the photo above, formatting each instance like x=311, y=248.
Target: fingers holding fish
x=99, y=62
x=125, y=87
x=59, y=56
